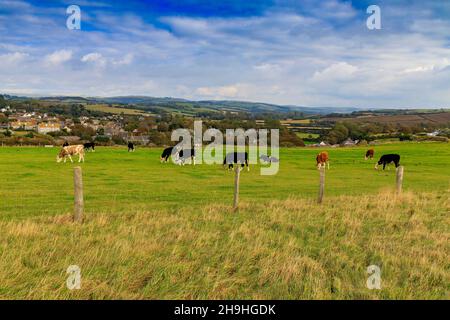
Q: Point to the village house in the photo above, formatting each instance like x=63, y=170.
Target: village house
x=113, y=129
x=7, y=108
x=46, y=127
x=433, y=134
x=24, y=124
x=349, y=143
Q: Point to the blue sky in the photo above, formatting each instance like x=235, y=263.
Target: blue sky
x=312, y=53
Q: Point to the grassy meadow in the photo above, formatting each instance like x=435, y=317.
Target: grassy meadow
x=163, y=231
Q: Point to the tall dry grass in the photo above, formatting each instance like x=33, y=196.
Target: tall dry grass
x=291, y=249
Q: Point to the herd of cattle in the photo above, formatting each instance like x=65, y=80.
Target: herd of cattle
x=181, y=156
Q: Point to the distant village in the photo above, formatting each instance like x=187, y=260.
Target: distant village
x=61, y=128
x=25, y=123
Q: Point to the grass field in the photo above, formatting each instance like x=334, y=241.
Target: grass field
x=114, y=110
x=304, y=135
x=162, y=231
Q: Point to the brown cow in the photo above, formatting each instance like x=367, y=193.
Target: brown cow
x=369, y=154
x=67, y=152
x=322, y=159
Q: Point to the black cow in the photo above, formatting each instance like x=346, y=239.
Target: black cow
x=185, y=154
x=387, y=159
x=130, y=146
x=238, y=158
x=166, y=154
x=65, y=144
x=89, y=145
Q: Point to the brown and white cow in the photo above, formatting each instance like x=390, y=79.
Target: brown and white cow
x=69, y=151
x=322, y=159
x=369, y=154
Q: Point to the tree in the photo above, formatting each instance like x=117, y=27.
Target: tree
x=338, y=134
x=2, y=101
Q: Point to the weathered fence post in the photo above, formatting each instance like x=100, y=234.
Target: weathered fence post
x=78, y=193
x=399, y=179
x=237, y=173
x=322, y=184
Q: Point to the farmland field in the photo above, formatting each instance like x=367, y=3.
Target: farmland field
x=115, y=180
x=163, y=231
x=114, y=110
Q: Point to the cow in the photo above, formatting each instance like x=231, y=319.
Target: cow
x=387, y=159
x=238, y=158
x=369, y=154
x=166, y=154
x=273, y=159
x=268, y=159
x=69, y=151
x=322, y=159
x=130, y=147
x=65, y=144
x=264, y=158
x=89, y=145
x=185, y=154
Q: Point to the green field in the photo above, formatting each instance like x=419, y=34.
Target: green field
x=115, y=110
x=33, y=184
x=163, y=231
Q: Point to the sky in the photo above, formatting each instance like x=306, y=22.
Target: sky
x=287, y=52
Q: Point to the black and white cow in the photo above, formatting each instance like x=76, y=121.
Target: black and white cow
x=185, y=154
x=238, y=158
x=89, y=145
x=166, y=154
x=387, y=159
x=65, y=144
x=130, y=147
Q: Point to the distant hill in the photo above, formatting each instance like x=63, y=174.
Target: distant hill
x=191, y=107
x=188, y=107
x=220, y=105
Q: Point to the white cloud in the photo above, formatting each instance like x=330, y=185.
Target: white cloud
x=58, y=57
x=231, y=91
x=126, y=60
x=337, y=71
x=13, y=58
x=94, y=57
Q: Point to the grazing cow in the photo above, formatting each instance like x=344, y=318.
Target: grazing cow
x=65, y=144
x=130, y=147
x=369, y=154
x=264, y=158
x=273, y=159
x=69, y=151
x=166, y=154
x=238, y=158
x=185, y=154
x=322, y=159
x=387, y=159
x=268, y=159
x=89, y=145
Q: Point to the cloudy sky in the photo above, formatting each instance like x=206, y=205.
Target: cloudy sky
x=297, y=52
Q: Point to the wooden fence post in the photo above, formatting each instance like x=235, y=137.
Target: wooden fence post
x=399, y=179
x=78, y=193
x=322, y=184
x=237, y=173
